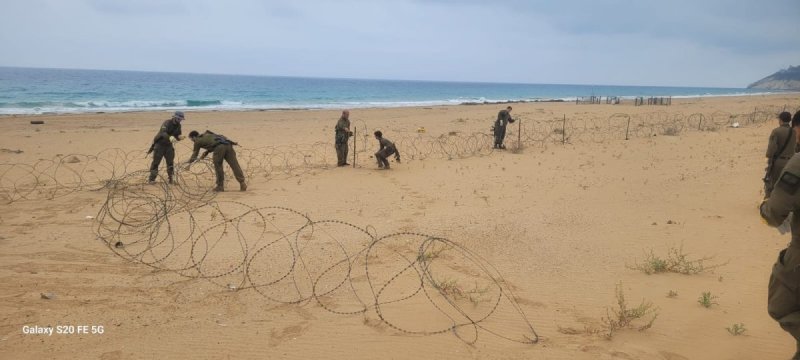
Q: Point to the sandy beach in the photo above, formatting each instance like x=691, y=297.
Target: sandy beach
x=457, y=252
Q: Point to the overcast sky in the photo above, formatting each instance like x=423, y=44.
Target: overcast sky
x=720, y=43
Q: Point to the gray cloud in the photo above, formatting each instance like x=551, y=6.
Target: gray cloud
x=138, y=7
x=769, y=25
x=683, y=43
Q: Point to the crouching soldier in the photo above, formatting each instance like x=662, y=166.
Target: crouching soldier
x=222, y=148
x=387, y=148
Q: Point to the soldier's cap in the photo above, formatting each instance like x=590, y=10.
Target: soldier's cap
x=178, y=115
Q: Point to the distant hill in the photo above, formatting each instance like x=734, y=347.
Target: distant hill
x=787, y=79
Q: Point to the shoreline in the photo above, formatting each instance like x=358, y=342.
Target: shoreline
x=623, y=100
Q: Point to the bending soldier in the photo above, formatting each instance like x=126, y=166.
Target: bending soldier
x=782, y=143
x=783, y=301
x=387, y=148
x=503, y=118
x=222, y=148
x=162, y=148
x=343, y=133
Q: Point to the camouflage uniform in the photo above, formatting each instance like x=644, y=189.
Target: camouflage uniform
x=342, y=135
x=783, y=302
x=387, y=148
x=222, y=148
x=163, y=149
x=780, y=149
x=503, y=118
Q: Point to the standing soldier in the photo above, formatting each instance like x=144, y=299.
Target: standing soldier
x=782, y=143
x=169, y=133
x=387, y=148
x=503, y=118
x=343, y=133
x=222, y=148
x=796, y=128
x=783, y=294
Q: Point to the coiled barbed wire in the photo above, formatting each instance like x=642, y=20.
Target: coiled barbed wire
x=411, y=282
x=66, y=174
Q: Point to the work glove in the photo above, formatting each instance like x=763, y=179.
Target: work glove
x=173, y=139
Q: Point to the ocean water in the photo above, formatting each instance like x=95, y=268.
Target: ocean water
x=41, y=91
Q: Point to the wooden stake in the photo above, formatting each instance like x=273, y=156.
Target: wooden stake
x=628, y=128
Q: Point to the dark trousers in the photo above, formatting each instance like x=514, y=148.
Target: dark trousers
x=341, y=153
x=783, y=303
x=499, y=135
x=382, y=156
x=166, y=152
x=225, y=152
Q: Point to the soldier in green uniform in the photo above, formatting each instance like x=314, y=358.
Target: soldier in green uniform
x=796, y=128
x=222, y=148
x=387, y=148
x=783, y=301
x=162, y=148
x=503, y=119
x=343, y=133
x=782, y=143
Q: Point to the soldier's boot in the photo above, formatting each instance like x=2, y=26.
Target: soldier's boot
x=219, y=188
x=242, y=186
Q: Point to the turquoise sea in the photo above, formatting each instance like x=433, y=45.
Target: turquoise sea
x=40, y=91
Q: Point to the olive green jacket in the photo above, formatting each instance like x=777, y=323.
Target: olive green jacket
x=207, y=141
x=785, y=199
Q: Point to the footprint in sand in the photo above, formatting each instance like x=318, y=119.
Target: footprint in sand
x=599, y=350
x=277, y=337
x=111, y=355
x=672, y=356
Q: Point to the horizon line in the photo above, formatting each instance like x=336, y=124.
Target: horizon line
x=360, y=79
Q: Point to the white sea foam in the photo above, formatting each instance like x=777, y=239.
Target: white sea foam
x=234, y=105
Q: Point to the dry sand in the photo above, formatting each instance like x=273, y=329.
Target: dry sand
x=560, y=222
